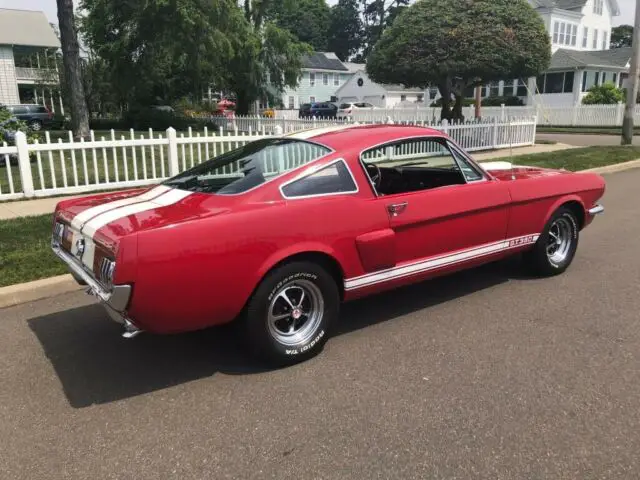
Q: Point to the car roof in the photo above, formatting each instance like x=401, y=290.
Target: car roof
x=360, y=137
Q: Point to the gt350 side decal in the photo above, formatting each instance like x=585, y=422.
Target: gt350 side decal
x=438, y=262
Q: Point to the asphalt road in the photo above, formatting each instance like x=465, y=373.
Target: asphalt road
x=584, y=140
x=486, y=374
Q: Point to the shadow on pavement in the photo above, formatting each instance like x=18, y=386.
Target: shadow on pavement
x=96, y=365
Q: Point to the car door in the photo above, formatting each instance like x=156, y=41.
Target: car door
x=441, y=207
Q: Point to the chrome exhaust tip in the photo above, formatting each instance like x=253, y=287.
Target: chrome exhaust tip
x=130, y=330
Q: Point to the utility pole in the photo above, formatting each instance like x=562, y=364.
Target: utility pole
x=632, y=90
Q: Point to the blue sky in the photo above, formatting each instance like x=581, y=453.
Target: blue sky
x=49, y=7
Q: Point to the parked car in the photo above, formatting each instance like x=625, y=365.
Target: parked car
x=36, y=116
x=278, y=233
x=346, y=109
x=318, y=110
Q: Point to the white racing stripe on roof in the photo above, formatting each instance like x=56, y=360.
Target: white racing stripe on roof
x=169, y=198
x=83, y=217
x=314, y=132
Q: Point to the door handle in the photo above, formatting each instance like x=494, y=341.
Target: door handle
x=396, y=209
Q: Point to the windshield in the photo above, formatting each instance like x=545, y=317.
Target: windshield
x=248, y=166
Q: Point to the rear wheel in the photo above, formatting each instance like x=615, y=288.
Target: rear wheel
x=35, y=125
x=287, y=319
x=557, y=245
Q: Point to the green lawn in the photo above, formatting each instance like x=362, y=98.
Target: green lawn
x=25, y=252
x=575, y=159
x=585, y=130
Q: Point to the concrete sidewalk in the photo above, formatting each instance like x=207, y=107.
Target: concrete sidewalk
x=43, y=206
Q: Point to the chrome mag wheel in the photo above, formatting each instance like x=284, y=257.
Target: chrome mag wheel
x=559, y=241
x=295, y=312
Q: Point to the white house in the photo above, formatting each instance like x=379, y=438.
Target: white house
x=322, y=75
x=360, y=88
x=580, y=33
x=25, y=37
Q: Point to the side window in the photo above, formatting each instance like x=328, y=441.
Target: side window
x=411, y=166
x=334, y=179
x=470, y=172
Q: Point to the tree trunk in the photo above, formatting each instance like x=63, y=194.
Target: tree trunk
x=243, y=103
x=73, y=68
x=445, y=92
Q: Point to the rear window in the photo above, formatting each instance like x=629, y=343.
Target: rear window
x=248, y=167
x=39, y=109
x=345, y=106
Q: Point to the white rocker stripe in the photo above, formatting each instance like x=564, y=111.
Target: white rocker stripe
x=168, y=198
x=83, y=217
x=438, y=262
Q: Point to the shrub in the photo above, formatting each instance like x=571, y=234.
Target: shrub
x=605, y=94
x=498, y=101
x=9, y=125
x=466, y=102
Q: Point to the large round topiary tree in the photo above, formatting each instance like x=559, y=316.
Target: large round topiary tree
x=456, y=44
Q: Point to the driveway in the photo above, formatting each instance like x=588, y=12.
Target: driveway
x=584, y=140
x=486, y=374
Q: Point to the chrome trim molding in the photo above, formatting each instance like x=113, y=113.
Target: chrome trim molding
x=596, y=210
x=117, y=298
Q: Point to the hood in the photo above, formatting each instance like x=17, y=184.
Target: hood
x=507, y=171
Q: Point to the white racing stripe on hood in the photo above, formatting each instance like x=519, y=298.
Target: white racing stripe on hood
x=169, y=198
x=496, y=166
x=83, y=217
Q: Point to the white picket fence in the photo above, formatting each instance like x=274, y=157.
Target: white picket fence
x=70, y=167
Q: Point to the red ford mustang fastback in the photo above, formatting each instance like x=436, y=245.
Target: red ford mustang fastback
x=279, y=232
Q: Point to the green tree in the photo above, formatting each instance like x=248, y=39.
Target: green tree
x=459, y=44
x=308, y=20
x=604, y=94
x=621, y=36
x=264, y=52
x=161, y=50
x=346, y=31
x=378, y=15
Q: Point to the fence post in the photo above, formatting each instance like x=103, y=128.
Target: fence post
x=445, y=125
x=574, y=117
x=502, y=112
x=620, y=114
x=494, y=140
x=174, y=164
x=278, y=131
x=24, y=165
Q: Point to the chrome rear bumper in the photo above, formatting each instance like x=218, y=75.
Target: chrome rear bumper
x=596, y=210
x=115, y=301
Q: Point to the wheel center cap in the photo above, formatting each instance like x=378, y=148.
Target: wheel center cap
x=296, y=313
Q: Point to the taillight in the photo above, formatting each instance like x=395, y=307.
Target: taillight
x=49, y=112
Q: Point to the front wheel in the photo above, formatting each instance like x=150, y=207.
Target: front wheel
x=557, y=245
x=287, y=319
x=35, y=125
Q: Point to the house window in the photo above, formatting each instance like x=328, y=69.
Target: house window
x=584, y=81
x=494, y=89
x=560, y=82
x=585, y=37
x=595, y=38
x=565, y=33
x=615, y=79
x=325, y=79
x=312, y=99
x=521, y=89
x=312, y=79
x=403, y=98
x=292, y=103
x=336, y=79
x=605, y=36
x=598, y=6
x=420, y=97
x=604, y=77
x=597, y=82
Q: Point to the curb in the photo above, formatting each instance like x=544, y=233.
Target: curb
x=618, y=167
x=37, y=290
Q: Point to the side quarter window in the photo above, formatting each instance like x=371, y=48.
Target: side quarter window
x=470, y=172
x=334, y=179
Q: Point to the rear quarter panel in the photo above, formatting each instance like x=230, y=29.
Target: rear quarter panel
x=536, y=199
x=202, y=273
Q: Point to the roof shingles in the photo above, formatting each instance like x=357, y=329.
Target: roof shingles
x=614, y=58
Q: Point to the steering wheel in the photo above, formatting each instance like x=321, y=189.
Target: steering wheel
x=375, y=174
